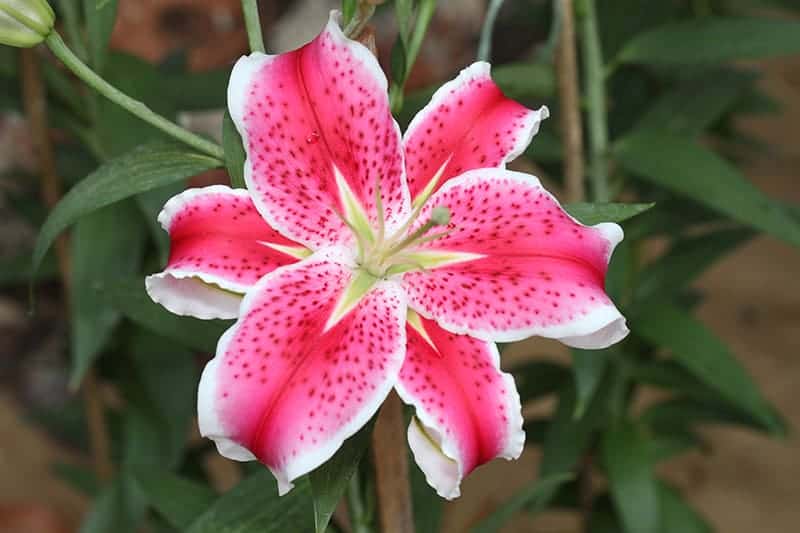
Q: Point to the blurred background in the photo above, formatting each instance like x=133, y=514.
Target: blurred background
x=740, y=480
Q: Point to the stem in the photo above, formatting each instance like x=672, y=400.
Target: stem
x=359, y=521
x=35, y=102
x=485, y=44
x=253, y=25
x=391, y=468
x=360, y=18
x=69, y=9
x=595, y=89
x=424, y=14
x=569, y=104
x=82, y=71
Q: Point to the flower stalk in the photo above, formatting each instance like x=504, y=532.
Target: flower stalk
x=252, y=24
x=93, y=80
x=595, y=94
x=569, y=103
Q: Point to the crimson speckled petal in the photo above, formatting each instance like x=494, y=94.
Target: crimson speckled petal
x=217, y=241
x=305, y=114
x=468, y=124
x=541, y=272
x=467, y=410
x=286, y=391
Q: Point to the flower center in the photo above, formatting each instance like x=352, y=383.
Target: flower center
x=384, y=256
x=380, y=255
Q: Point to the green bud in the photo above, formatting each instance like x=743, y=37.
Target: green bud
x=440, y=216
x=25, y=23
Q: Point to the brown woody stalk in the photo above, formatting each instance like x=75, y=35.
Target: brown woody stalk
x=391, y=468
x=35, y=102
x=569, y=104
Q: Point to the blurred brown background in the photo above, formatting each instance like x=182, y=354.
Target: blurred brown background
x=745, y=482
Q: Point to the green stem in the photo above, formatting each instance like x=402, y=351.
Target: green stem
x=485, y=44
x=69, y=9
x=424, y=14
x=82, y=71
x=360, y=19
x=253, y=26
x=595, y=91
x=358, y=517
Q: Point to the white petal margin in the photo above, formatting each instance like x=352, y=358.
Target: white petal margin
x=436, y=449
x=194, y=294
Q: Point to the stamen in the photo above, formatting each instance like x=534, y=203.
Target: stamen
x=362, y=246
x=440, y=216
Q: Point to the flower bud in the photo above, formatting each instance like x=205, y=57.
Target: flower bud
x=25, y=23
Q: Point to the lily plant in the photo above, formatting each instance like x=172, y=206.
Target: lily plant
x=359, y=260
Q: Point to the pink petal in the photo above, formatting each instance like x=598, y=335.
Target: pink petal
x=219, y=248
x=468, y=124
x=305, y=112
x=542, y=272
x=286, y=391
x=468, y=411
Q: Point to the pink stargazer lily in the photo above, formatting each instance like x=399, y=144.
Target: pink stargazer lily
x=358, y=260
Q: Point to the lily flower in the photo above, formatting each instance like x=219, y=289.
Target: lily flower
x=359, y=260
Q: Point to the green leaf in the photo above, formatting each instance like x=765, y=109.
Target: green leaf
x=329, y=481
x=705, y=356
x=105, y=245
x=713, y=40
x=680, y=415
x=689, y=169
x=148, y=167
x=253, y=506
x=539, y=378
x=178, y=500
x=100, y=17
x=398, y=61
x=348, y=10
x=116, y=131
x=427, y=506
x=17, y=269
x=632, y=482
x=234, y=152
x=666, y=446
x=525, y=81
x=533, y=497
x=591, y=214
x=160, y=390
x=545, y=148
x=78, y=477
x=676, y=514
x=150, y=204
x=130, y=298
x=195, y=91
x=695, y=104
x=686, y=260
x=588, y=368
x=120, y=508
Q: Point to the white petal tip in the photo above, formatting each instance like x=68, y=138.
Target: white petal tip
x=194, y=294
x=284, y=485
x=441, y=472
x=606, y=336
x=612, y=232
